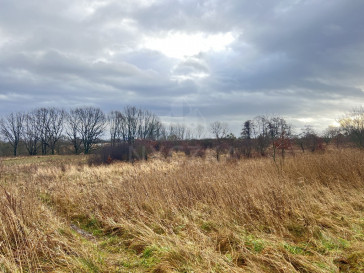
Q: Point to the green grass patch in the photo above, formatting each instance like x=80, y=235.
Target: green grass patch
x=89, y=265
x=334, y=244
x=254, y=244
x=294, y=249
x=89, y=224
x=150, y=256
x=113, y=244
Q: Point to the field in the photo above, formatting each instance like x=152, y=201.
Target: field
x=306, y=214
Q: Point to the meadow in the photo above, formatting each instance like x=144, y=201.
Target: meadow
x=183, y=214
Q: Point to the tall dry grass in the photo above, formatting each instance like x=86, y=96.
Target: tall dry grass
x=184, y=215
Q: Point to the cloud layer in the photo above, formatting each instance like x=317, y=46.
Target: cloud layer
x=195, y=61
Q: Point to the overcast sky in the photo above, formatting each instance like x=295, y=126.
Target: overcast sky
x=190, y=61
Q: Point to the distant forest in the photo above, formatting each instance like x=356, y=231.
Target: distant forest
x=82, y=130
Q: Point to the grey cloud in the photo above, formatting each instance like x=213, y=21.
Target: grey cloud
x=192, y=66
x=289, y=57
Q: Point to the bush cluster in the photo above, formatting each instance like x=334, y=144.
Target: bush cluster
x=106, y=154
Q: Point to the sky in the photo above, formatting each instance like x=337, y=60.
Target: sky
x=188, y=61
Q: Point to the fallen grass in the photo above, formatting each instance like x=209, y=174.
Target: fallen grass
x=184, y=215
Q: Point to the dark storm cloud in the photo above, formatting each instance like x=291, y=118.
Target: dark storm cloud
x=294, y=58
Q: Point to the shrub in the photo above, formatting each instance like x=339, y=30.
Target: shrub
x=121, y=152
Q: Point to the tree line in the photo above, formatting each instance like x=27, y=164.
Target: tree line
x=276, y=132
x=40, y=130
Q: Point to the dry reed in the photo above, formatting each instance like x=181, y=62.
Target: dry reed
x=184, y=215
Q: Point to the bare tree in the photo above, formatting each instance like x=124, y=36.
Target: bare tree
x=134, y=123
x=279, y=133
x=73, y=130
x=11, y=128
x=148, y=125
x=267, y=130
x=163, y=132
x=309, y=139
x=219, y=129
x=333, y=133
x=50, y=123
x=177, y=132
x=117, y=123
x=353, y=125
x=261, y=133
x=132, y=119
x=31, y=133
x=173, y=133
x=278, y=126
x=158, y=127
x=180, y=131
x=42, y=120
x=188, y=133
x=55, y=127
x=200, y=131
x=91, y=125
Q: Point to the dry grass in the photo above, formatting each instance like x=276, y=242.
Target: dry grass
x=184, y=215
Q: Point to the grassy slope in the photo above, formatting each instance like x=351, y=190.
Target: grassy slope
x=59, y=215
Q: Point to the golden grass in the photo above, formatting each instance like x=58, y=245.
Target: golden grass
x=184, y=215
